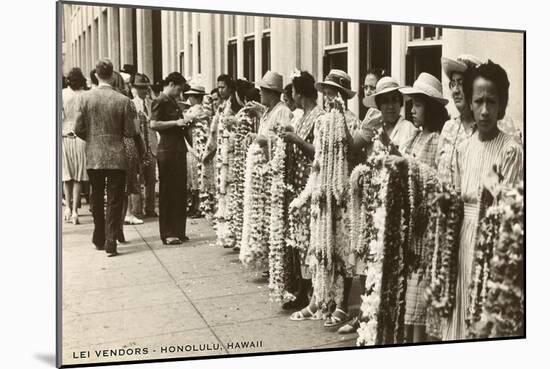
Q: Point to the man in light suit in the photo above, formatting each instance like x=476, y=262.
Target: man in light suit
x=142, y=103
x=103, y=118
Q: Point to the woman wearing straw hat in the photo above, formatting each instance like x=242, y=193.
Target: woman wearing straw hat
x=396, y=130
x=196, y=114
x=429, y=115
x=458, y=129
x=336, y=84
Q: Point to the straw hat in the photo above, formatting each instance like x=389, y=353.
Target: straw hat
x=384, y=85
x=141, y=80
x=426, y=85
x=272, y=81
x=339, y=79
x=195, y=90
x=458, y=65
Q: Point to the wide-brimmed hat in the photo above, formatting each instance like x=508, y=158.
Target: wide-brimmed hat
x=458, y=65
x=141, y=80
x=339, y=79
x=195, y=90
x=272, y=81
x=384, y=85
x=426, y=85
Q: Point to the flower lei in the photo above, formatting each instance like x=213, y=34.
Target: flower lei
x=441, y=243
x=280, y=255
x=496, y=292
x=245, y=125
x=329, y=187
x=225, y=122
x=370, y=306
x=200, y=139
x=255, y=234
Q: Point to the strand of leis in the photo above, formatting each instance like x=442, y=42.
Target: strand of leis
x=441, y=243
x=327, y=204
x=254, y=239
x=390, y=327
x=371, y=300
x=497, y=294
x=278, y=251
x=244, y=126
x=225, y=121
x=206, y=196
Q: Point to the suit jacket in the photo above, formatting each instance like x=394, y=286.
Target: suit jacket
x=151, y=134
x=104, y=116
x=172, y=140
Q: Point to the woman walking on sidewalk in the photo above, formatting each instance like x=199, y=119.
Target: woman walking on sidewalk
x=73, y=148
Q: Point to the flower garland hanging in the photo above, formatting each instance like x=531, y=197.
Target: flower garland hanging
x=371, y=300
x=441, y=245
x=225, y=123
x=244, y=127
x=279, y=275
x=255, y=233
x=496, y=293
x=329, y=186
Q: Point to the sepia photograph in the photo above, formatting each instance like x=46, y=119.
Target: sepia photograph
x=235, y=184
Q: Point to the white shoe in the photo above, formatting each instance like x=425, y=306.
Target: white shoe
x=132, y=220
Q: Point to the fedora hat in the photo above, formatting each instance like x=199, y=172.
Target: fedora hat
x=195, y=90
x=426, y=85
x=339, y=79
x=383, y=86
x=272, y=81
x=141, y=80
x=458, y=65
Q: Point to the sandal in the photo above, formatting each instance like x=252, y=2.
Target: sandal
x=67, y=215
x=337, y=318
x=173, y=241
x=350, y=327
x=305, y=314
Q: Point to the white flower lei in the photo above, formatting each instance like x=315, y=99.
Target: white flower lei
x=328, y=184
x=255, y=234
x=277, y=234
x=225, y=121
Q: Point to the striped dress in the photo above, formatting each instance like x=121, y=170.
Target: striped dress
x=73, y=149
x=475, y=160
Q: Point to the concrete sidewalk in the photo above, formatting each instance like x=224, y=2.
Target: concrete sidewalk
x=155, y=301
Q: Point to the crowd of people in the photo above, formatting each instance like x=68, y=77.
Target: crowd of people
x=272, y=168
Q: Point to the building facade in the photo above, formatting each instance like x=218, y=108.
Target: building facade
x=203, y=45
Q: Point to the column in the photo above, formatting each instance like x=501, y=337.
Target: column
x=207, y=51
x=353, y=64
x=165, y=41
x=321, y=49
x=126, y=42
x=398, y=52
x=258, y=34
x=219, y=49
x=173, y=42
x=95, y=43
x=114, y=36
x=240, y=46
x=194, y=34
x=145, y=42
x=179, y=39
x=187, y=57
x=103, y=33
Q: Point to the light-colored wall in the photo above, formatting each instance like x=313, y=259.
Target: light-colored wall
x=504, y=48
x=294, y=44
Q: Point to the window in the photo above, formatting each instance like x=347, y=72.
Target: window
x=336, y=33
x=103, y=34
x=232, y=58
x=266, y=52
x=134, y=38
x=249, y=58
x=182, y=61
x=419, y=33
x=267, y=23
x=199, y=51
